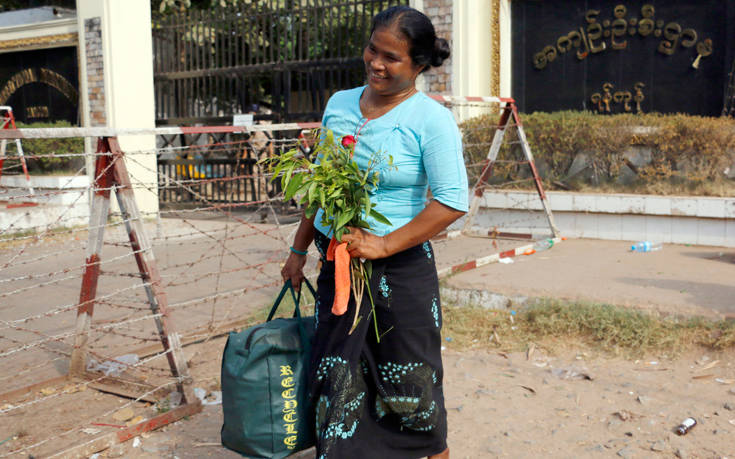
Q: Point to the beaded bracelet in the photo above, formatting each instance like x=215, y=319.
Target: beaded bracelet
x=299, y=252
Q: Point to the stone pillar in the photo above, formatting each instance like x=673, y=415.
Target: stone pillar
x=438, y=79
x=116, y=83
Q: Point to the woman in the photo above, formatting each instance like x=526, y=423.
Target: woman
x=381, y=396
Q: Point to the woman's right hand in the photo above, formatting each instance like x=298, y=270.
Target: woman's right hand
x=293, y=269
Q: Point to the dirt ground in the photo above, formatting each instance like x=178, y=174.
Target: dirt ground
x=566, y=404
x=501, y=405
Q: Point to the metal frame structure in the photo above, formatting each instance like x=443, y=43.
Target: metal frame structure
x=111, y=175
x=8, y=122
x=508, y=118
x=288, y=55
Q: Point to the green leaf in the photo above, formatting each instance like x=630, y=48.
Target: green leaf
x=345, y=218
x=368, y=265
x=292, y=187
x=379, y=217
x=312, y=191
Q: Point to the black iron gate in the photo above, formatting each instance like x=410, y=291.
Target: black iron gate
x=279, y=59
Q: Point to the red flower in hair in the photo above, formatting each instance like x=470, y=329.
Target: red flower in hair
x=349, y=141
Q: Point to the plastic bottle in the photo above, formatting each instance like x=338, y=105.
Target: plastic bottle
x=646, y=246
x=685, y=426
x=543, y=244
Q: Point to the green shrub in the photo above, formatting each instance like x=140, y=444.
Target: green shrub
x=689, y=154
x=42, y=155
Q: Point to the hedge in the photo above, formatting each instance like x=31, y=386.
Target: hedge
x=688, y=154
x=41, y=154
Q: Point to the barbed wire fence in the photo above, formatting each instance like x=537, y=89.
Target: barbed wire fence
x=98, y=297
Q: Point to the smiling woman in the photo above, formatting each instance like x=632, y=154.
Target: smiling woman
x=377, y=388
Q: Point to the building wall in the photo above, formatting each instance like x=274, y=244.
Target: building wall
x=478, y=32
x=95, y=70
x=439, y=79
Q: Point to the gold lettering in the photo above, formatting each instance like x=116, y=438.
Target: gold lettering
x=619, y=28
x=620, y=11
x=596, y=99
x=46, y=76
x=288, y=382
x=290, y=405
x=57, y=81
x=286, y=370
x=564, y=44
x=607, y=95
x=37, y=112
x=290, y=441
x=289, y=393
x=291, y=429
x=583, y=54
x=638, y=97
x=672, y=32
x=539, y=60
x=690, y=38
x=290, y=417
x=594, y=31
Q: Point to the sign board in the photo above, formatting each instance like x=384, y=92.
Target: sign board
x=41, y=85
x=622, y=56
x=242, y=119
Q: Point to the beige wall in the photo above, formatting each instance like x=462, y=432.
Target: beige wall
x=127, y=73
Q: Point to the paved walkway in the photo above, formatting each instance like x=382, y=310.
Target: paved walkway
x=676, y=280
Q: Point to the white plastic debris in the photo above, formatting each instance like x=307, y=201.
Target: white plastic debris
x=136, y=442
x=114, y=367
x=505, y=260
x=215, y=397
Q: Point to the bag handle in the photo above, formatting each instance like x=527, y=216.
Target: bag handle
x=305, y=345
x=296, y=299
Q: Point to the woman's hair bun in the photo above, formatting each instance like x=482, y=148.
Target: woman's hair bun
x=441, y=52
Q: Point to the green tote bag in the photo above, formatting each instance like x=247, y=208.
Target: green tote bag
x=265, y=400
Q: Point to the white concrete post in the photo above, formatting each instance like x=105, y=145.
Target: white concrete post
x=126, y=97
x=506, y=89
x=471, y=53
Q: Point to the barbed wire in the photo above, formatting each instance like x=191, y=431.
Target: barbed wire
x=197, y=259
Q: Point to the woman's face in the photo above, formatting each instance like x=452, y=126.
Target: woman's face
x=388, y=64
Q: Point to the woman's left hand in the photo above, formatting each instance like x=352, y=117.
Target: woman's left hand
x=361, y=244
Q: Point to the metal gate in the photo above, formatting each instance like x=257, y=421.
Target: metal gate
x=278, y=59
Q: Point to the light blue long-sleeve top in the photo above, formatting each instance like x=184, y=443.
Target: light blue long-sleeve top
x=422, y=137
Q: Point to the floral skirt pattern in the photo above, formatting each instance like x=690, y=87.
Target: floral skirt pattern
x=380, y=399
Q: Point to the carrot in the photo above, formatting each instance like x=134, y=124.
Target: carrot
x=341, y=278
x=330, y=250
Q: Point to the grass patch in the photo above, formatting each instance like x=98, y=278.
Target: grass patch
x=59, y=234
x=604, y=328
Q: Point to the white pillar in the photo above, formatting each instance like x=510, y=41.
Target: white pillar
x=471, y=51
x=506, y=89
x=127, y=73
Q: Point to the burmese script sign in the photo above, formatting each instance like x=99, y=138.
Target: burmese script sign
x=622, y=56
x=41, y=86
